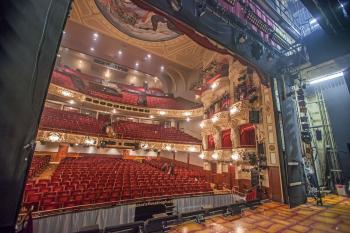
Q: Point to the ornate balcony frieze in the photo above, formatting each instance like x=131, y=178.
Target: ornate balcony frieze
x=110, y=106
x=79, y=139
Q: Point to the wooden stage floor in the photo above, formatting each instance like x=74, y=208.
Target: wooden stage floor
x=334, y=216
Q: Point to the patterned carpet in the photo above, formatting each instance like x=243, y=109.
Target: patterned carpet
x=275, y=217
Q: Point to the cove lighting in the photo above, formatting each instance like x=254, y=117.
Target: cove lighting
x=67, y=93
x=71, y=102
x=327, y=77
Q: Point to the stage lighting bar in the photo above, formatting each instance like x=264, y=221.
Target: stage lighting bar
x=327, y=77
x=279, y=40
x=257, y=21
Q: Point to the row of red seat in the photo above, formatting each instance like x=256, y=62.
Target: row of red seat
x=71, y=121
x=134, y=130
x=80, y=123
x=90, y=180
x=39, y=163
x=69, y=78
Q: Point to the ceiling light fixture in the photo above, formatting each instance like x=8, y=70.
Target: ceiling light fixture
x=71, y=102
x=162, y=68
x=215, y=156
x=235, y=156
x=201, y=155
x=202, y=124
x=137, y=64
x=327, y=77
x=120, y=52
x=162, y=113
x=151, y=116
x=214, y=85
x=89, y=141
x=92, y=49
x=95, y=35
x=149, y=56
x=188, y=119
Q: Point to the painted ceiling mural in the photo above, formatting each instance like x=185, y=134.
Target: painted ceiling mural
x=136, y=22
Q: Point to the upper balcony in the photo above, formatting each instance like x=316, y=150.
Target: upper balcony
x=75, y=86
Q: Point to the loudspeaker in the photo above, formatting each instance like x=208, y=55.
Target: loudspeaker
x=254, y=117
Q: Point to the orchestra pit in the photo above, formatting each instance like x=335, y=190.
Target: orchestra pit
x=145, y=116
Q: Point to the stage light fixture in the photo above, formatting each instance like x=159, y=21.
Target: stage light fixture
x=279, y=40
x=327, y=77
x=176, y=5
x=242, y=38
x=200, y=8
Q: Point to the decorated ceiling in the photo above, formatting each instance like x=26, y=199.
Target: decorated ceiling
x=122, y=20
x=136, y=22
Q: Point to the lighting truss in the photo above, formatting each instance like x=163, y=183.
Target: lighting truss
x=279, y=40
x=257, y=21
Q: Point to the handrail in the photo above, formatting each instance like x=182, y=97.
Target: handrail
x=80, y=208
x=120, y=138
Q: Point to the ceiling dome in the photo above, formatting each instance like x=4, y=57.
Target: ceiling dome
x=136, y=22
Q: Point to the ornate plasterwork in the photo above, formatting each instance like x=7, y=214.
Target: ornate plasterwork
x=169, y=113
x=225, y=155
x=73, y=138
x=226, y=119
x=181, y=50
